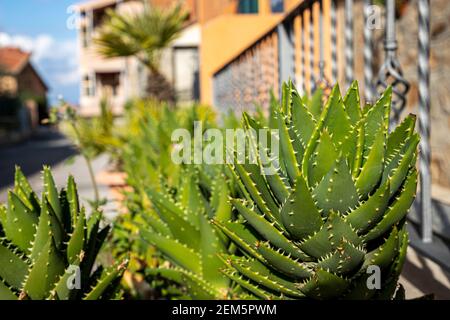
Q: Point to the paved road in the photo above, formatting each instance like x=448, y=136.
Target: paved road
x=47, y=146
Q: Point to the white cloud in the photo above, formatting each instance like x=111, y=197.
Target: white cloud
x=71, y=77
x=58, y=60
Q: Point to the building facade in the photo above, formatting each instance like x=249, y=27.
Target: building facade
x=239, y=25
x=20, y=80
x=216, y=31
x=120, y=79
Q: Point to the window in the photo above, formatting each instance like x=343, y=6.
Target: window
x=248, y=6
x=84, y=37
x=100, y=14
x=277, y=6
x=108, y=83
x=88, y=86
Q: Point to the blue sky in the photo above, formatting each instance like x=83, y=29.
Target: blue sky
x=41, y=26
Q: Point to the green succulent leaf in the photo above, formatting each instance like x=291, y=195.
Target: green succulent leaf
x=3, y=217
x=51, y=193
x=330, y=236
x=376, y=117
x=72, y=197
x=346, y=258
x=299, y=214
x=349, y=148
x=398, y=209
x=24, y=191
x=44, y=229
x=373, y=166
x=268, y=205
x=219, y=201
x=240, y=234
x=248, y=285
x=13, y=266
x=324, y=285
x=369, y=212
x=322, y=159
x=315, y=105
x=278, y=187
x=45, y=272
x=286, y=94
x=77, y=240
x=337, y=191
x=105, y=281
x=254, y=192
x=384, y=255
x=263, y=276
x=21, y=223
x=302, y=120
x=198, y=288
x=268, y=231
x=180, y=226
x=62, y=290
x=6, y=293
x=191, y=200
x=179, y=253
x=211, y=246
x=401, y=134
x=337, y=121
x=283, y=263
x=287, y=150
x=397, y=175
x=352, y=103
x=174, y=274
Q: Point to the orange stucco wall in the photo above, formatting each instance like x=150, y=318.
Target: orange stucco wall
x=209, y=9
x=189, y=6
x=227, y=35
x=290, y=4
x=201, y=10
x=223, y=39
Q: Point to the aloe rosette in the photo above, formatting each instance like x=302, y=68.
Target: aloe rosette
x=49, y=247
x=335, y=206
x=179, y=227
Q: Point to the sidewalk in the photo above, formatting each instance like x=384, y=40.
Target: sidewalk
x=422, y=276
x=49, y=147
x=79, y=170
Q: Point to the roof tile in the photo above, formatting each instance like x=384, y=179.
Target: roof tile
x=12, y=60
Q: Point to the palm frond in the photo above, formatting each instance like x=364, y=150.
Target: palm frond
x=142, y=34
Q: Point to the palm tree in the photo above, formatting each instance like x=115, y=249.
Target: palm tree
x=143, y=35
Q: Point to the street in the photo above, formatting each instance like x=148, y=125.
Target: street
x=49, y=147
x=46, y=147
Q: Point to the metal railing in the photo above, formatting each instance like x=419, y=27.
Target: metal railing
x=314, y=45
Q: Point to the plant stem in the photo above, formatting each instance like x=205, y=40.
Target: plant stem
x=88, y=163
x=94, y=182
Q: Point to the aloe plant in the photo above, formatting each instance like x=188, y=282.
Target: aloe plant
x=180, y=229
x=48, y=246
x=146, y=155
x=169, y=210
x=336, y=205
